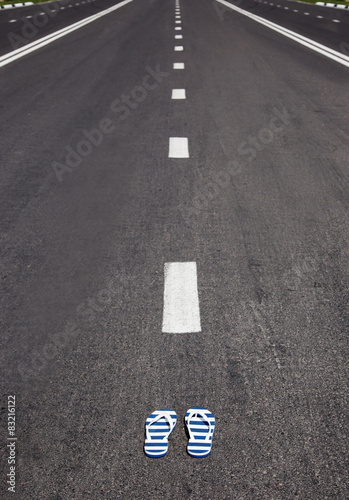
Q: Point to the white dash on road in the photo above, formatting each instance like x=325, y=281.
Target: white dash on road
x=178, y=28
x=12, y=20
x=178, y=147
x=336, y=20
x=178, y=37
x=178, y=22
x=320, y=17
x=178, y=48
x=306, y=14
x=178, y=94
x=178, y=65
x=181, y=312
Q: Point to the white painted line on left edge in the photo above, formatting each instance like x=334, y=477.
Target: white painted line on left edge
x=178, y=147
x=31, y=47
x=302, y=40
x=181, y=313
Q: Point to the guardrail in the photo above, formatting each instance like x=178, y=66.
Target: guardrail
x=337, y=5
x=11, y=5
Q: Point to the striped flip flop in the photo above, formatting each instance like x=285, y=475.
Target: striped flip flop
x=200, y=424
x=158, y=427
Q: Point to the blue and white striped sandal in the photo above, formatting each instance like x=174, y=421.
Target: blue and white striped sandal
x=200, y=424
x=158, y=427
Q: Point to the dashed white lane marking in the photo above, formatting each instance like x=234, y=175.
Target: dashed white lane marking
x=178, y=28
x=334, y=55
x=178, y=37
x=178, y=22
x=295, y=10
x=181, y=312
x=335, y=20
x=12, y=20
x=31, y=47
x=178, y=17
x=306, y=14
x=320, y=17
x=178, y=65
x=179, y=48
x=178, y=94
x=178, y=147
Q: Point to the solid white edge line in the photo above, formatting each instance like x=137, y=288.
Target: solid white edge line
x=307, y=42
x=31, y=47
x=181, y=313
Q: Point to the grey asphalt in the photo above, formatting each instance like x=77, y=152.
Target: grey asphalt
x=261, y=206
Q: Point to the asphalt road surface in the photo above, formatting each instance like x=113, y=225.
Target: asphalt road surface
x=108, y=178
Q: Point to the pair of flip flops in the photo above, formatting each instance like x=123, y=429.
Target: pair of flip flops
x=200, y=424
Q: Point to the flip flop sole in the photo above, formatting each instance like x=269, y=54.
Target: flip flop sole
x=200, y=424
x=159, y=426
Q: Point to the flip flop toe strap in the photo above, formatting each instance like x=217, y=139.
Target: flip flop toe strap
x=170, y=421
x=205, y=418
